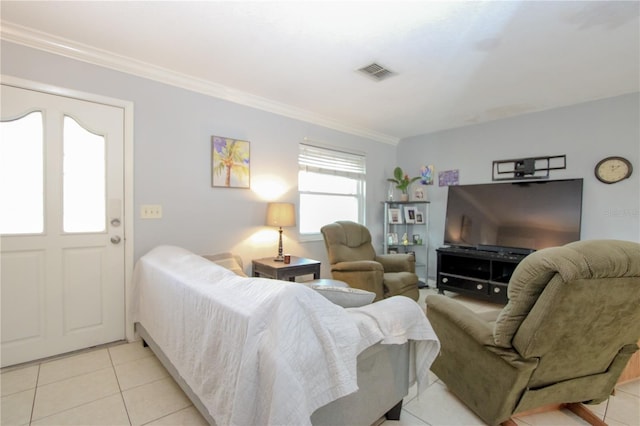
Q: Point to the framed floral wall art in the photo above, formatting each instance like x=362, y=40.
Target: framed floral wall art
x=230, y=161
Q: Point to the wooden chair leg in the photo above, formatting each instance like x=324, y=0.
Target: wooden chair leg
x=585, y=414
x=576, y=408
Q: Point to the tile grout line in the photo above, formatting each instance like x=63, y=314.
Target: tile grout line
x=69, y=378
x=35, y=393
x=74, y=408
x=75, y=376
x=124, y=403
x=606, y=409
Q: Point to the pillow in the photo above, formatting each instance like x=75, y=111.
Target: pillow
x=346, y=297
x=228, y=261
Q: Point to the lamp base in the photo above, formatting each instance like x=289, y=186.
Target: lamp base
x=279, y=257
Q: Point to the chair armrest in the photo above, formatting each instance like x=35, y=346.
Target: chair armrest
x=447, y=309
x=397, y=262
x=356, y=265
x=442, y=309
x=363, y=274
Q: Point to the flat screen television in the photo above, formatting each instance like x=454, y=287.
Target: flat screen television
x=518, y=217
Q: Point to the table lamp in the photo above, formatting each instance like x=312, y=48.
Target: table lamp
x=280, y=214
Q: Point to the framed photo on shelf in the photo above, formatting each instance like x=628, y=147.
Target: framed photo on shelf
x=419, y=217
x=417, y=239
x=395, y=217
x=410, y=215
x=392, y=238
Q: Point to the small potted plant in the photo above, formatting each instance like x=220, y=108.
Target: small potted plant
x=402, y=182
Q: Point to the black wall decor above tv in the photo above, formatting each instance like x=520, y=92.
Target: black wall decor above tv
x=516, y=217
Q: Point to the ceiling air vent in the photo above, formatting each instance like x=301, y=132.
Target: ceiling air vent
x=376, y=72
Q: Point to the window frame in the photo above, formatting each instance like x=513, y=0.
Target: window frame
x=313, y=157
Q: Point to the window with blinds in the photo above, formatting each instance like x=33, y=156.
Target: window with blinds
x=331, y=184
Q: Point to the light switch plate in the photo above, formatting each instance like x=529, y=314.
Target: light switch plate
x=151, y=211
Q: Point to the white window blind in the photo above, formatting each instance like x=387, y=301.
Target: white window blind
x=322, y=160
x=331, y=184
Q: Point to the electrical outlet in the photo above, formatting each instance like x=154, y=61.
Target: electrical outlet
x=151, y=211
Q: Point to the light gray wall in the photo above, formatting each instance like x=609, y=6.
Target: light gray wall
x=172, y=133
x=585, y=133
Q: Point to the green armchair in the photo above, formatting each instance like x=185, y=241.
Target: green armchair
x=354, y=261
x=564, y=337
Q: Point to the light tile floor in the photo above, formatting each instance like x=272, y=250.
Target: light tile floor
x=125, y=384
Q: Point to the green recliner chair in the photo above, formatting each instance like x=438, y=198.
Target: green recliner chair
x=354, y=261
x=564, y=337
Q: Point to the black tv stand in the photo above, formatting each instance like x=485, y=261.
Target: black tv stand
x=477, y=273
x=501, y=249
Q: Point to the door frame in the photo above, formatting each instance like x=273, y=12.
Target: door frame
x=128, y=209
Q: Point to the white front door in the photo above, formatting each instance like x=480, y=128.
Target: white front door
x=62, y=275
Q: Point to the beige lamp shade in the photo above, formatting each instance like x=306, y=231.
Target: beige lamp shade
x=281, y=214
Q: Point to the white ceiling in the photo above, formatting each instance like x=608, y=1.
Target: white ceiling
x=456, y=63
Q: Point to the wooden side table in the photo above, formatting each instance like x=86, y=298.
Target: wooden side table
x=269, y=268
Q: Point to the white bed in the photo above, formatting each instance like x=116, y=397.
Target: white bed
x=253, y=351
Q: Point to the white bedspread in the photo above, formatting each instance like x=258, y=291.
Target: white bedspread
x=261, y=351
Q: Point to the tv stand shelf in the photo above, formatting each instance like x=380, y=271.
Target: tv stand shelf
x=476, y=273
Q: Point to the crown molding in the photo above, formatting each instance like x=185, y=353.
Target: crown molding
x=81, y=52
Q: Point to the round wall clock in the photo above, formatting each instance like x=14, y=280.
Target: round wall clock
x=613, y=169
